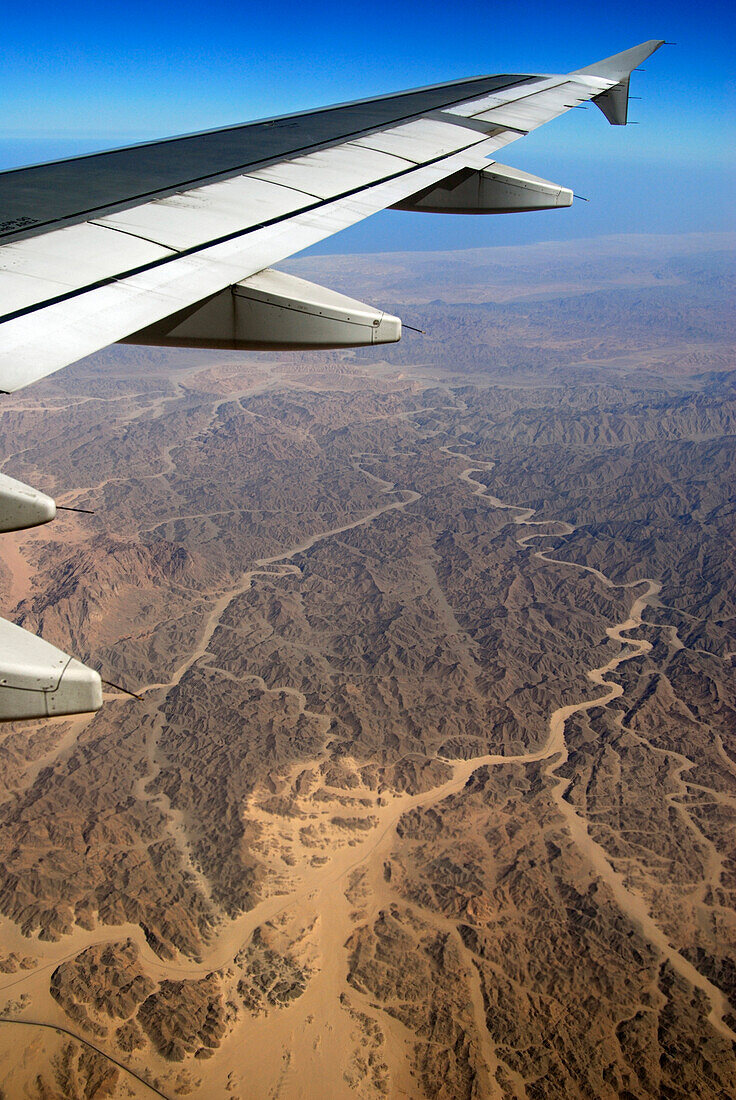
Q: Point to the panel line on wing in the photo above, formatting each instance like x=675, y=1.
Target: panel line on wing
x=467, y=122
x=137, y=236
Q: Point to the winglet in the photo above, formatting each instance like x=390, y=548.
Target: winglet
x=614, y=101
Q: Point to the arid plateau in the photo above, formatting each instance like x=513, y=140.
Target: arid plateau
x=429, y=787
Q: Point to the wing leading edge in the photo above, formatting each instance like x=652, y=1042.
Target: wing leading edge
x=173, y=243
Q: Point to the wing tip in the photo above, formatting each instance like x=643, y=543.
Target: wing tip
x=619, y=66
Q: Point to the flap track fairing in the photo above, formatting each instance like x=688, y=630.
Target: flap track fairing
x=273, y=311
x=22, y=506
x=37, y=680
x=496, y=189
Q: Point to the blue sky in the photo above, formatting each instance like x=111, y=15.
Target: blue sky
x=83, y=76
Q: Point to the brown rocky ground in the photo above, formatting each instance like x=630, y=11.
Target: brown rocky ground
x=431, y=787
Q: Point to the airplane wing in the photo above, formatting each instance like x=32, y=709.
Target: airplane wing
x=173, y=242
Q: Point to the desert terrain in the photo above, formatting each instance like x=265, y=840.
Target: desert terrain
x=427, y=787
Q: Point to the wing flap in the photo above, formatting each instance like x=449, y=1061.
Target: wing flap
x=533, y=86
x=534, y=110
